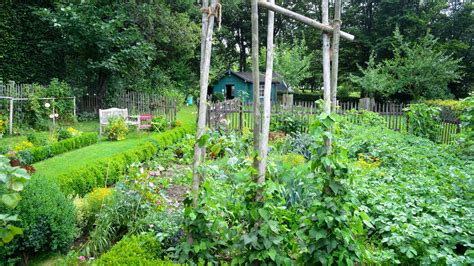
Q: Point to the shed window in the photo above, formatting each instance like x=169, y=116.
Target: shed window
x=261, y=91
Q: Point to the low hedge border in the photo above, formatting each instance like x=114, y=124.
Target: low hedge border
x=44, y=152
x=106, y=171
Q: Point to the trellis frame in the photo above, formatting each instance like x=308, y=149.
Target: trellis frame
x=261, y=144
x=330, y=76
x=13, y=99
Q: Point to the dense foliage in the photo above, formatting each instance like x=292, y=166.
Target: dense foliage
x=116, y=128
x=416, y=70
x=47, y=218
x=135, y=250
x=157, y=41
x=421, y=212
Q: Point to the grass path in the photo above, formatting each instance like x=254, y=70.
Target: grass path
x=60, y=164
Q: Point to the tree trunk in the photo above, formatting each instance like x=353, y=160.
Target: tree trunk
x=256, y=85
x=204, y=81
x=335, y=53
x=266, y=102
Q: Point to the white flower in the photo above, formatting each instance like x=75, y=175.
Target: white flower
x=47, y=105
x=51, y=116
x=56, y=115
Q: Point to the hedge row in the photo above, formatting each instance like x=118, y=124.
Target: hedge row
x=135, y=250
x=106, y=171
x=44, y=152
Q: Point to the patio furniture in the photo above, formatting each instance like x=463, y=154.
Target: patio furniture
x=145, y=121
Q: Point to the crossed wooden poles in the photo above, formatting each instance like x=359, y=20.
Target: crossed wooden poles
x=210, y=12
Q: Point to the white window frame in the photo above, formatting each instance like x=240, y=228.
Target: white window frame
x=261, y=91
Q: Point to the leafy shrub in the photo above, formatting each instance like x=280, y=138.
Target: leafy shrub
x=454, y=105
x=364, y=117
x=167, y=227
x=287, y=122
x=44, y=152
x=159, y=123
x=465, y=141
x=106, y=171
x=135, y=250
x=116, y=128
x=37, y=111
x=218, y=97
x=88, y=207
x=293, y=159
x=176, y=123
x=47, y=219
x=423, y=120
x=36, y=139
x=124, y=207
x=3, y=125
x=23, y=146
x=11, y=183
x=63, y=134
x=86, y=116
x=299, y=143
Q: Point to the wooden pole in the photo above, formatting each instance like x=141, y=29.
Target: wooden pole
x=266, y=101
x=204, y=19
x=10, y=122
x=204, y=82
x=256, y=84
x=74, y=104
x=326, y=60
x=325, y=27
x=335, y=52
x=326, y=69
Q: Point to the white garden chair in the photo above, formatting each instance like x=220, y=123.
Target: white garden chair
x=105, y=114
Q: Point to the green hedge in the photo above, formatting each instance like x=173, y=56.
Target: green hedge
x=106, y=171
x=44, y=152
x=135, y=250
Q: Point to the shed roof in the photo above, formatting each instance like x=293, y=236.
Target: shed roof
x=248, y=76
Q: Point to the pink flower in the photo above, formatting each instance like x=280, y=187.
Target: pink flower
x=82, y=258
x=151, y=185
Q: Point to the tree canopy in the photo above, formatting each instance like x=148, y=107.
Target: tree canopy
x=104, y=46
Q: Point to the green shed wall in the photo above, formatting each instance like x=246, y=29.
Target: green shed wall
x=242, y=88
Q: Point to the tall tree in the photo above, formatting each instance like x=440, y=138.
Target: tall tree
x=123, y=44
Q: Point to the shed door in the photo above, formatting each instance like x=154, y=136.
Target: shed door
x=229, y=91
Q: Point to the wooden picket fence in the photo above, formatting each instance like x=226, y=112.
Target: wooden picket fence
x=236, y=115
x=16, y=90
x=135, y=102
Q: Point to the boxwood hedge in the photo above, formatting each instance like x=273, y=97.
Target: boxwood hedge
x=41, y=153
x=106, y=171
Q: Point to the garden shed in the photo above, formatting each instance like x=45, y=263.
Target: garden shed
x=239, y=84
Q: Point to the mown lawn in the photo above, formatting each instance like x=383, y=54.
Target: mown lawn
x=60, y=164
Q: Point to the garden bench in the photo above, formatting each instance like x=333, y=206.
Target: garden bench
x=147, y=119
x=105, y=114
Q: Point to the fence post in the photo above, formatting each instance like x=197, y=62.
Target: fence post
x=174, y=110
x=241, y=116
x=10, y=122
x=74, y=103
